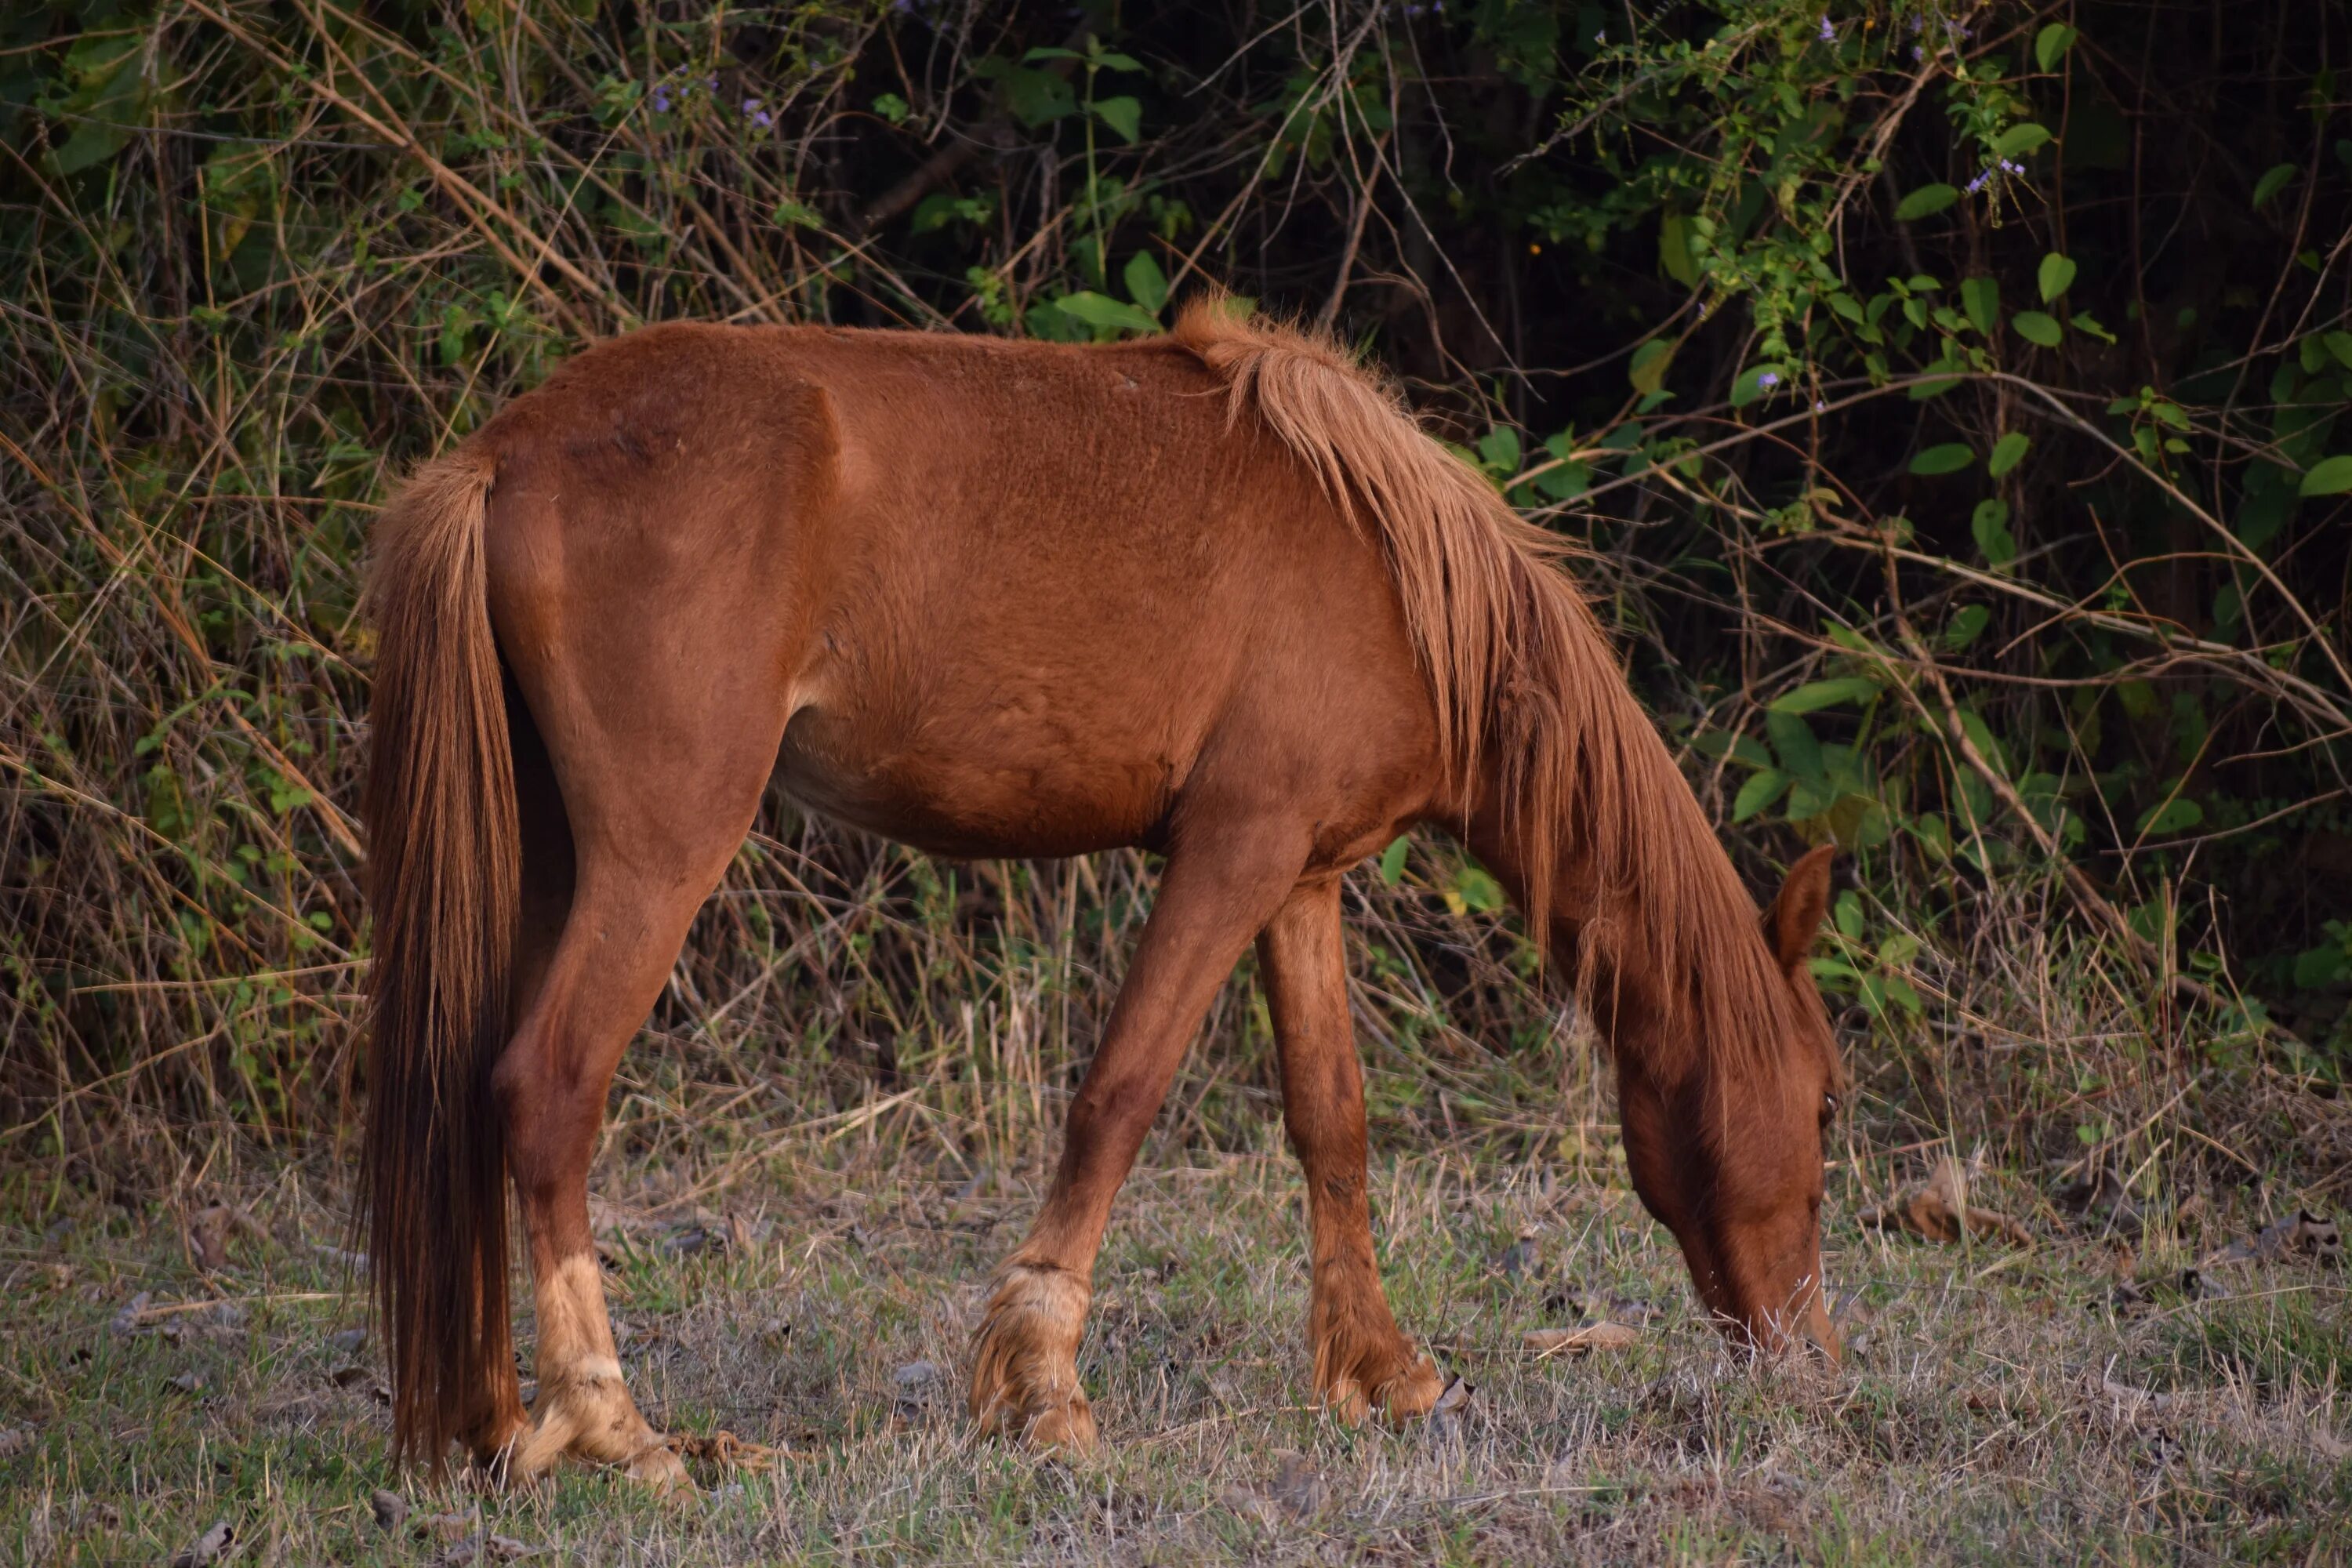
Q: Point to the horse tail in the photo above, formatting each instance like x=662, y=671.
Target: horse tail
x=444, y=881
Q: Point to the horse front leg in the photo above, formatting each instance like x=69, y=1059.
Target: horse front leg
x=1217, y=890
x=1362, y=1362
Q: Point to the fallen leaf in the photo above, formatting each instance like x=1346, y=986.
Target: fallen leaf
x=14, y=1440
x=1447, y=1417
x=447, y=1526
x=186, y=1383
x=917, y=1383
x=391, y=1509
x=2304, y=1235
x=1544, y=1343
x=1937, y=1209
x=348, y=1376
x=2198, y=1286
x=206, y=1547
x=208, y=1233
x=133, y=1316
x=1297, y=1487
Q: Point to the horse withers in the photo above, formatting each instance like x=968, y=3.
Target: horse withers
x=1211, y=593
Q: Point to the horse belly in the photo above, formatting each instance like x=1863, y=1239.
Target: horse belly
x=1007, y=782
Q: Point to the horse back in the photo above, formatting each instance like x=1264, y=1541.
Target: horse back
x=1012, y=598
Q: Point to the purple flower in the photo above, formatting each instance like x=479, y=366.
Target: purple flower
x=712, y=82
x=1767, y=381
x=1829, y=33
x=1820, y=408
x=661, y=98
x=1917, y=53
x=1979, y=183
x=764, y=119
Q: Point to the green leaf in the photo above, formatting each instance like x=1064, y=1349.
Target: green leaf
x=2328, y=477
x=1393, y=860
x=1794, y=745
x=2036, y=328
x=1649, y=364
x=1980, y=297
x=1925, y=201
x=2057, y=272
x=1499, y=449
x=2273, y=182
x=1967, y=622
x=1760, y=791
x=1989, y=523
x=1568, y=478
x=2340, y=345
x=1036, y=97
x=2019, y=139
x=1750, y=384
x=1950, y=458
x=1478, y=888
x=1101, y=310
x=2007, y=453
x=2172, y=817
x=1674, y=250
x=1146, y=284
x=1124, y=115
x=2051, y=44
x=1829, y=693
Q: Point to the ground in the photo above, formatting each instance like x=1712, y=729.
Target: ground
x=814, y=1294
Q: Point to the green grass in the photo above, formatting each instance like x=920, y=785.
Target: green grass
x=1989, y=1414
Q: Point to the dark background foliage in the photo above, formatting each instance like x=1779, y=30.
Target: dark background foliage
x=1949, y=394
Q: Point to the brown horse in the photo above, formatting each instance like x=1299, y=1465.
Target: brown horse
x=1211, y=593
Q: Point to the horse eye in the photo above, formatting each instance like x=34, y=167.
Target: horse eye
x=1829, y=1107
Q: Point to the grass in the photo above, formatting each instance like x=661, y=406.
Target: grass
x=1996, y=1406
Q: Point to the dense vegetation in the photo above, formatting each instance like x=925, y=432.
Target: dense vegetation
x=1950, y=396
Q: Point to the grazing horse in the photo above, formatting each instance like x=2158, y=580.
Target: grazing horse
x=1211, y=593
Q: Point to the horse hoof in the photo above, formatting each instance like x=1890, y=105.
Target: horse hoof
x=1411, y=1393
x=660, y=1469
x=1065, y=1428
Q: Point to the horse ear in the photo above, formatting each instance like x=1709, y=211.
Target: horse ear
x=1796, y=914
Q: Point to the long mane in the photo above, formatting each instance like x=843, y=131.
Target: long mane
x=1528, y=696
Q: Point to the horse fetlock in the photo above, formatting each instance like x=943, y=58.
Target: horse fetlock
x=584, y=1412
x=1024, y=1373
x=1358, y=1373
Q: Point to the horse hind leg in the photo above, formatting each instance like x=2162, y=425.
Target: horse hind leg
x=1362, y=1361
x=651, y=833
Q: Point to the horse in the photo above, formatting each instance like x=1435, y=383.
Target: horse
x=1212, y=593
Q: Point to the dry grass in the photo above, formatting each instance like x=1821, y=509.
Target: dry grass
x=774, y=1273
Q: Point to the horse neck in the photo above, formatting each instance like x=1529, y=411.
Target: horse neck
x=1645, y=916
